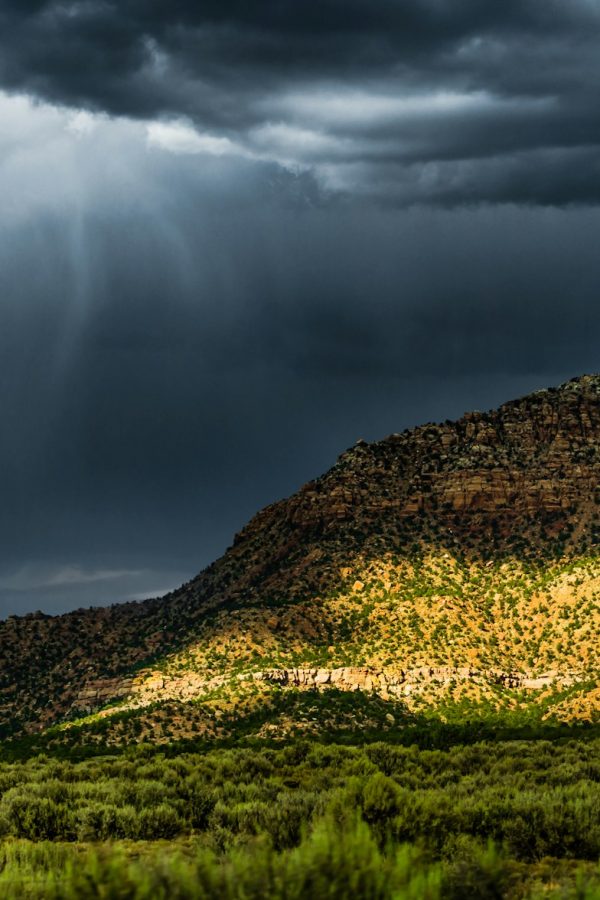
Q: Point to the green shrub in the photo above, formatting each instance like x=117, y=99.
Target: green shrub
x=381, y=797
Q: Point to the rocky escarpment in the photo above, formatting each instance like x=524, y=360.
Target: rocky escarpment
x=538, y=455
x=521, y=481
x=386, y=683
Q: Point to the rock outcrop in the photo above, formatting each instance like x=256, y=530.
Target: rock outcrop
x=386, y=683
x=539, y=455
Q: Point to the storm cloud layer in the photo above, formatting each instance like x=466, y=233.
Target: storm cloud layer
x=419, y=101
x=237, y=237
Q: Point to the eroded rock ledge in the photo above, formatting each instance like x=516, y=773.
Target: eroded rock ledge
x=387, y=683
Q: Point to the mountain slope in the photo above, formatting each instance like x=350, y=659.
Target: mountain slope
x=451, y=561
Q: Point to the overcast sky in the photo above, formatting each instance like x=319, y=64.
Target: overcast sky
x=235, y=237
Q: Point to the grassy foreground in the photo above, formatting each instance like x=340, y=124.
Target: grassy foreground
x=486, y=819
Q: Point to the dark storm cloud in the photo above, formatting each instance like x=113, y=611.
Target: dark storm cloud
x=287, y=226
x=414, y=101
x=185, y=338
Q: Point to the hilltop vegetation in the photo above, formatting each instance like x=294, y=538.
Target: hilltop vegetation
x=424, y=632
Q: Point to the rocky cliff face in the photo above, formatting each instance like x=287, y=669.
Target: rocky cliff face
x=520, y=483
x=535, y=456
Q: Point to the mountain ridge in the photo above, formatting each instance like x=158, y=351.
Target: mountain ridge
x=431, y=514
